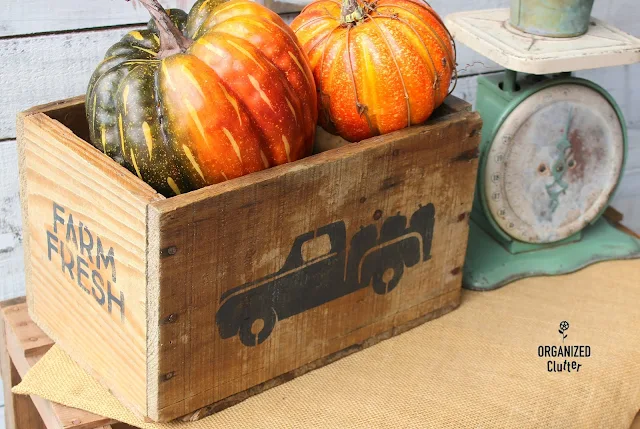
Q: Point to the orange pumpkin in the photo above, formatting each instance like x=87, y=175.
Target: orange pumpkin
x=379, y=66
x=199, y=99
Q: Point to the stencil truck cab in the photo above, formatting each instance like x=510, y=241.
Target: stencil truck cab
x=307, y=281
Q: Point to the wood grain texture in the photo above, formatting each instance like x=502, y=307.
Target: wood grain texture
x=22, y=17
x=26, y=344
x=326, y=141
x=11, y=253
x=25, y=17
x=94, y=272
x=45, y=68
x=240, y=231
x=6, y=372
x=48, y=68
x=19, y=411
x=28, y=340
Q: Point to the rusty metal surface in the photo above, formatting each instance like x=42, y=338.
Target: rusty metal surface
x=552, y=18
x=553, y=165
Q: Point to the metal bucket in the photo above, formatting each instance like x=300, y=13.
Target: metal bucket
x=552, y=18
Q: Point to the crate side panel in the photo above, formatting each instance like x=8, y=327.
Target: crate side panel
x=87, y=242
x=269, y=273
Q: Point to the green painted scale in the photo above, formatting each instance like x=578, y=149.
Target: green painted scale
x=552, y=153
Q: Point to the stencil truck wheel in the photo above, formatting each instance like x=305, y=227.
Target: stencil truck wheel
x=383, y=266
x=385, y=279
x=257, y=328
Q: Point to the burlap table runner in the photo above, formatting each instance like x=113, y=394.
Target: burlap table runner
x=477, y=367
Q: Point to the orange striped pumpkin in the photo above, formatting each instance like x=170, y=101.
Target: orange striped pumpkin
x=199, y=99
x=379, y=65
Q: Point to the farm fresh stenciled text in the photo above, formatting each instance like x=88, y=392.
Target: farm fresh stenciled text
x=84, y=258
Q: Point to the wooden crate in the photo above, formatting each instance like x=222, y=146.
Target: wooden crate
x=192, y=303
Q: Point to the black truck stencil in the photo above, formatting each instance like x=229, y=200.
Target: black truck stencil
x=253, y=309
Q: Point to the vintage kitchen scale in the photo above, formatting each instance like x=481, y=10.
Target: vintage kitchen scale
x=552, y=153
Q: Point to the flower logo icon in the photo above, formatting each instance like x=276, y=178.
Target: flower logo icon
x=564, y=326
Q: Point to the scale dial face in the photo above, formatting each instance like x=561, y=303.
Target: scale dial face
x=554, y=163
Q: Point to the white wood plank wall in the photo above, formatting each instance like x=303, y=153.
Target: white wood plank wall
x=48, y=51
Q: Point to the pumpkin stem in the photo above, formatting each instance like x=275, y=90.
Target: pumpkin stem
x=172, y=41
x=351, y=12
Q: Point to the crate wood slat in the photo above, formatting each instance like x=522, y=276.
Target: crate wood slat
x=30, y=341
x=19, y=411
x=326, y=141
x=24, y=344
x=17, y=333
x=240, y=286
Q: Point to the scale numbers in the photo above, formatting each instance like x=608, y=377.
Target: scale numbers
x=553, y=163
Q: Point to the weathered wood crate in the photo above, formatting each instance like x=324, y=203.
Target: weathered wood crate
x=189, y=304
